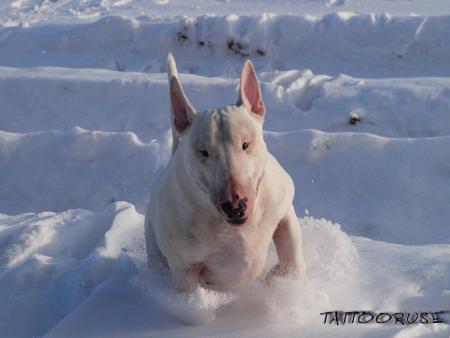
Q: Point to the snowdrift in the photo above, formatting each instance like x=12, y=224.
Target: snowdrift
x=59, y=270
x=363, y=45
x=390, y=189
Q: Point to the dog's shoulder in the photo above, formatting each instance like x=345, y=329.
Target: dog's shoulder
x=277, y=181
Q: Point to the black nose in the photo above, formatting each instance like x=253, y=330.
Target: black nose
x=235, y=213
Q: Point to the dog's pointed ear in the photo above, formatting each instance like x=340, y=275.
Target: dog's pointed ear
x=182, y=110
x=250, y=92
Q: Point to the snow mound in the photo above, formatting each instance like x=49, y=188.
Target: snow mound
x=25, y=13
x=78, y=261
x=55, y=262
x=382, y=188
x=61, y=99
x=51, y=262
x=384, y=45
x=103, y=167
x=372, y=185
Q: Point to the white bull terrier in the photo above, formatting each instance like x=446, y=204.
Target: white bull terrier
x=223, y=197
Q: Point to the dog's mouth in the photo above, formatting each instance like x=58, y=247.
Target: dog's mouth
x=237, y=221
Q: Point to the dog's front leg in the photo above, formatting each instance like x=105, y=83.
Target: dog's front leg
x=185, y=278
x=288, y=243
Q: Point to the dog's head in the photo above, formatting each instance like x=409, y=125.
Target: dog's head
x=224, y=147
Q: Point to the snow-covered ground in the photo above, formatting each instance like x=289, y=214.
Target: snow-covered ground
x=84, y=131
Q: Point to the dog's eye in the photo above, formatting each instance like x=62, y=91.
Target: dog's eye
x=204, y=153
x=245, y=145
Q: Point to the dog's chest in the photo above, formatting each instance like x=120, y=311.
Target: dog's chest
x=236, y=264
x=234, y=257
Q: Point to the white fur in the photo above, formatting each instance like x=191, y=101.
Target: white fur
x=200, y=246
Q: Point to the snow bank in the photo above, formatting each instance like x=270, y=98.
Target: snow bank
x=62, y=99
x=386, y=189
x=33, y=12
x=57, y=170
x=363, y=45
x=59, y=269
x=51, y=262
x=374, y=186
x=391, y=189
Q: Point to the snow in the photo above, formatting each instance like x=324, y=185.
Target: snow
x=31, y=12
x=362, y=45
x=358, y=98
